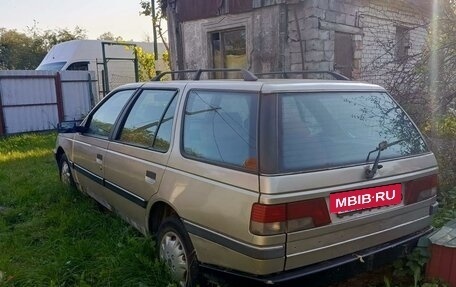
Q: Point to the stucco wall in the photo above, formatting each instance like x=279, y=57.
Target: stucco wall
x=262, y=34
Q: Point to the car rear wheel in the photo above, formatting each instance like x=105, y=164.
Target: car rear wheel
x=177, y=252
x=65, y=172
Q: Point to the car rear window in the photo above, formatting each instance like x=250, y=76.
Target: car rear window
x=329, y=130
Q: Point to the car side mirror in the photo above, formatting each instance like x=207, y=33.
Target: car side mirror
x=71, y=127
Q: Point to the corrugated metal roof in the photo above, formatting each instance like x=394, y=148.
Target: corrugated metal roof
x=240, y=6
x=197, y=9
x=202, y=9
x=446, y=236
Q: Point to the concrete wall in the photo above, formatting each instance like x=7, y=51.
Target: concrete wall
x=299, y=35
x=372, y=24
x=379, y=27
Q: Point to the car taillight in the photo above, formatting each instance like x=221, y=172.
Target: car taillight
x=281, y=218
x=420, y=189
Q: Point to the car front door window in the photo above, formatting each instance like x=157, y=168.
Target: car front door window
x=102, y=121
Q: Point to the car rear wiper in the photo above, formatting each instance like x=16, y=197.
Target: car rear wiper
x=370, y=172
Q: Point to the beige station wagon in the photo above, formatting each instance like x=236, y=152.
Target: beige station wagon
x=265, y=179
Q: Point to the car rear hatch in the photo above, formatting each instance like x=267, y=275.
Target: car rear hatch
x=340, y=171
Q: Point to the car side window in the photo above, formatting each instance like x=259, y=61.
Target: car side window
x=102, y=121
x=220, y=127
x=163, y=138
x=153, y=111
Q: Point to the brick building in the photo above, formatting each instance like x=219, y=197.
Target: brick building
x=363, y=39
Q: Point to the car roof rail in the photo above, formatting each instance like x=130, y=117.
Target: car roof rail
x=249, y=76
x=285, y=74
x=246, y=75
x=162, y=74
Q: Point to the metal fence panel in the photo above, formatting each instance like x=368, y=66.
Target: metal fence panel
x=38, y=100
x=78, y=93
x=28, y=91
x=30, y=118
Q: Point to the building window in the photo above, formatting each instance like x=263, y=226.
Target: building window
x=229, y=51
x=402, y=43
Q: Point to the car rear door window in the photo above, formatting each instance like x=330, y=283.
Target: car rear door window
x=220, y=127
x=102, y=121
x=153, y=111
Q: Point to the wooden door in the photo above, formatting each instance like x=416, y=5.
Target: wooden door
x=343, y=54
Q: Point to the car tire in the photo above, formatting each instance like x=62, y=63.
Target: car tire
x=176, y=250
x=65, y=171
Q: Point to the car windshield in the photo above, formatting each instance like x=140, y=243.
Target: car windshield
x=328, y=130
x=55, y=66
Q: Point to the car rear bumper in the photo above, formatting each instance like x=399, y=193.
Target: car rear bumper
x=335, y=269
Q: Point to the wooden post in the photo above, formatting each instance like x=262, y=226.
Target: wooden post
x=2, y=119
x=59, y=97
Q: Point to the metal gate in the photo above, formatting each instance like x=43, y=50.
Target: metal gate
x=120, y=65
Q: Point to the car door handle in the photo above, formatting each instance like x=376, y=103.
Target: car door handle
x=99, y=159
x=150, y=177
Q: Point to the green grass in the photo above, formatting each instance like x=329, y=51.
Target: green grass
x=54, y=236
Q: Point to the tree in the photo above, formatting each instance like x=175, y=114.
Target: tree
x=108, y=36
x=158, y=18
x=424, y=85
x=18, y=51
x=53, y=37
x=423, y=82
x=24, y=51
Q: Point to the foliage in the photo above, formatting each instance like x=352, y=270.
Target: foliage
x=51, y=38
x=423, y=81
x=443, y=126
x=24, y=51
x=447, y=207
x=108, y=36
x=424, y=85
x=18, y=51
x=166, y=59
x=54, y=236
x=160, y=8
x=158, y=18
x=409, y=271
x=146, y=63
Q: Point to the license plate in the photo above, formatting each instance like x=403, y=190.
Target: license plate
x=365, y=198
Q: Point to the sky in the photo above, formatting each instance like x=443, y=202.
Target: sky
x=120, y=17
